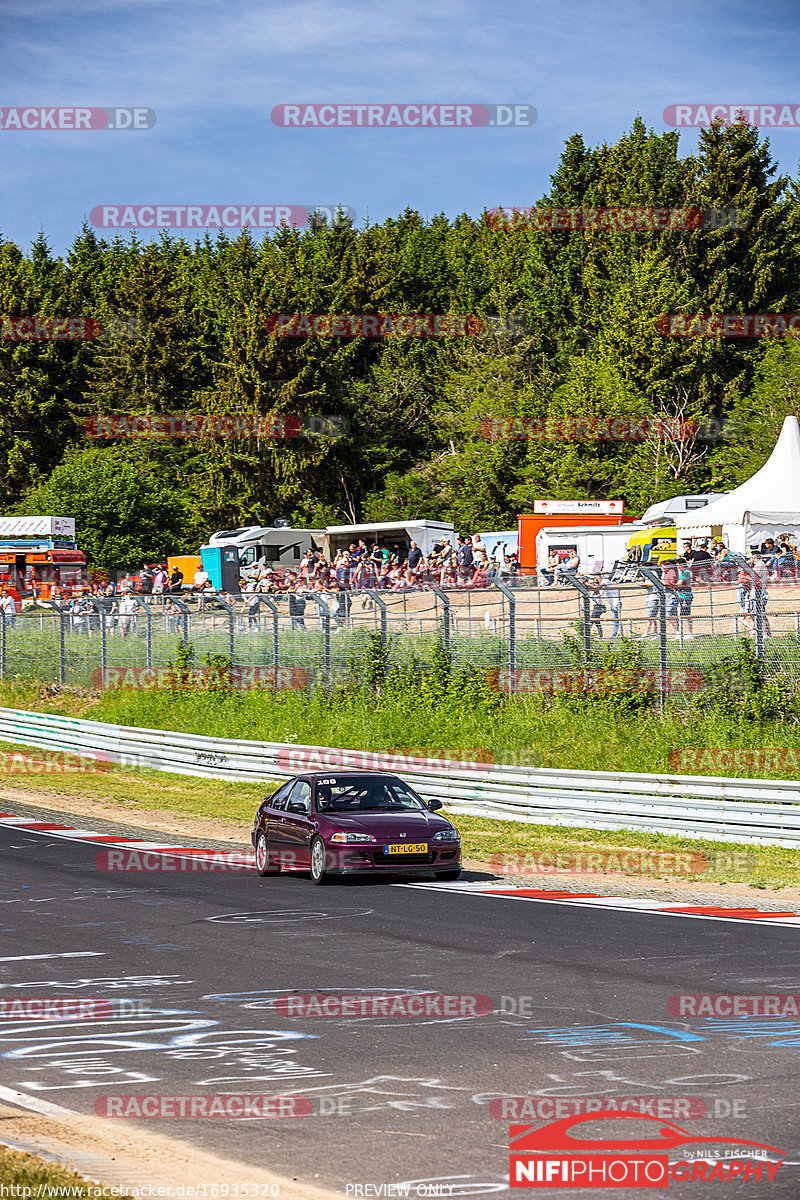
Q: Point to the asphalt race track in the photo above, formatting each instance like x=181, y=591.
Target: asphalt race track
x=580, y=1009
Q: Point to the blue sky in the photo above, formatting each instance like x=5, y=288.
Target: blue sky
x=213, y=70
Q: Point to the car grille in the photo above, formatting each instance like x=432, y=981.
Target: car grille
x=382, y=859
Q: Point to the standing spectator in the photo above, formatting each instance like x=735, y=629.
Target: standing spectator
x=172, y=617
x=598, y=607
x=445, y=561
x=127, y=619
x=416, y=561
x=685, y=595
x=669, y=577
x=252, y=606
x=477, y=545
x=146, y=578
x=297, y=606
x=160, y=581
x=8, y=607
x=466, y=567
x=609, y=595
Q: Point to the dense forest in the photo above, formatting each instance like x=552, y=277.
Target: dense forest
x=583, y=343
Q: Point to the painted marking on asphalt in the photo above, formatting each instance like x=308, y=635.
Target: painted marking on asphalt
x=705, y=912
x=67, y=954
x=43, y=1107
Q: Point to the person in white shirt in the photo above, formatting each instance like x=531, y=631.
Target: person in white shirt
x=127, y=608
x=9, y=608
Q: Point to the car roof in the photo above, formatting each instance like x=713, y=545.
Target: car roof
x=353, y=774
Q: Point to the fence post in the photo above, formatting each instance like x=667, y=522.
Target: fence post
x=382, y=606
x=62, y=643
x=325, y=613
x=663, y=676
x=586, y=597
x=96, y=605
x=183, y=606
x=231, y=624
x=512, y=631
x=446, y=615
x=148, y=630
x=273, y=608
x=759, y=606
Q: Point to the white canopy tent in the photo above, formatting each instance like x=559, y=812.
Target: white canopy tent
x=767, y=505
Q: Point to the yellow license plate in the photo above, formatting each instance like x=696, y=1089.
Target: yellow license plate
x=412, y=848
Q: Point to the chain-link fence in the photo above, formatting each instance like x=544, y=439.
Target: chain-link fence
x=535, y=638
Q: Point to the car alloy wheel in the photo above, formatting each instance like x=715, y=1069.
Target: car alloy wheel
x=318, y=864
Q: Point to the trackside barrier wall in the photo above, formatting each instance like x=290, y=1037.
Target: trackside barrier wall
x=760, y=812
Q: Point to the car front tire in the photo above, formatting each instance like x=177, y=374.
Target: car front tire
x=319, y=854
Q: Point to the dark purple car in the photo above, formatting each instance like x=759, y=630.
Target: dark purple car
x=344, y=822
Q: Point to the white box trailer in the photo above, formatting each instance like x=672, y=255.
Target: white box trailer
x=38, y=527
x=599, y=547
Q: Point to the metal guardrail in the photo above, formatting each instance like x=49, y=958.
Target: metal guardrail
x=760, y=812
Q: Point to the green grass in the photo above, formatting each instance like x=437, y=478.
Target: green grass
x=25, y=1170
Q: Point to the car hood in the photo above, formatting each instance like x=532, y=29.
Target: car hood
x=385, y=825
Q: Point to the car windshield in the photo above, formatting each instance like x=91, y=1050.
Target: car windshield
x=362, y=795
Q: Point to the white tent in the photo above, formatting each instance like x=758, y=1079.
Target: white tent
x=767, y=505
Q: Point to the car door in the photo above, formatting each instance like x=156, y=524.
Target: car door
x=270, y=813
x=294, y=830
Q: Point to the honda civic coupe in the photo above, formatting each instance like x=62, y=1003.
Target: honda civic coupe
x=347, y=823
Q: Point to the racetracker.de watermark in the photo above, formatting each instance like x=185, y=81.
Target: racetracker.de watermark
x=230, y=1106
x=628, y=220
x=215, y=425
x=404, y=116
x=53, y=762
x=76, y=118
x=48, y=1008
x=154, y=862
x=238, y=678
x=664, y=1108
x=627, y=862
x=556, y=680
x=729, y=325
x=376, y=325
x=213, y=216
x=445, y=762
x=606, y=429
x=422, y=1005
x=768, y=116
x=70, y=329
x=715, y=1004
x=699, y=760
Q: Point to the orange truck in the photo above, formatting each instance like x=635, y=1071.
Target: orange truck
x=549, y=514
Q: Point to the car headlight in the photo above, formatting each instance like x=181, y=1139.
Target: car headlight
x=352, y=837
x=447, y=835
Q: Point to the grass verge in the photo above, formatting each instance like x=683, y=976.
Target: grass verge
x=44, y=1179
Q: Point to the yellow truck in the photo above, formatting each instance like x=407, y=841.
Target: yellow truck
x=656, y=544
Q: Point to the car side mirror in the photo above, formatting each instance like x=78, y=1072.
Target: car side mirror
x=298, y=807
x=433, y=805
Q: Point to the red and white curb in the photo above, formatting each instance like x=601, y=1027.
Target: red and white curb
x=9, y=820
x=707, y=912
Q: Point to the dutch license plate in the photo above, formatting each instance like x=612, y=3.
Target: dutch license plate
x=412, y=848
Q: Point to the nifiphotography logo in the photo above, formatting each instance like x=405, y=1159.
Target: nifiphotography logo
x=554, y=1157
